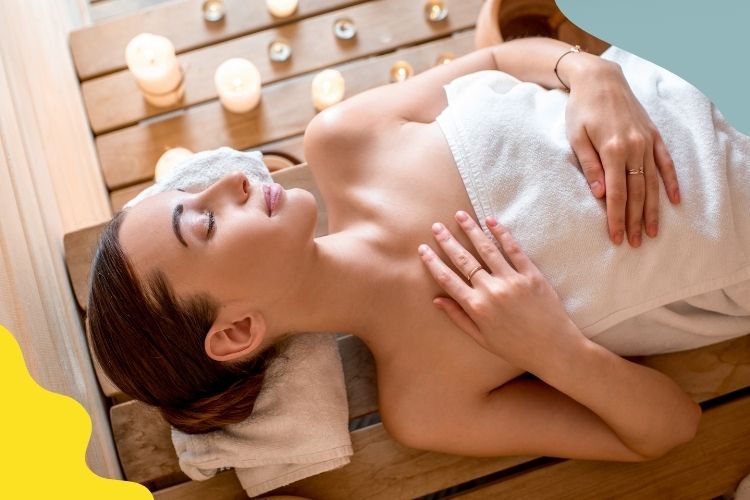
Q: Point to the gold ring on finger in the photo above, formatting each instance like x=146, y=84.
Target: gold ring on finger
x=634, y=171
x=473, y=272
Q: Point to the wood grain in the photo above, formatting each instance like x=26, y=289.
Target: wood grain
x=145, y=445
x=709, y=466
x=100, y=49
x=128, y=155
x=143, y=438
x=114, y=101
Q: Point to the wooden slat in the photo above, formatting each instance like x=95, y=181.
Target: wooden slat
x=703, y=373
x=114, y=101
x=144, y=441
x=709, y=466
x=100, y=49
x=81, y=245
x=291, y=148
x=128, y=156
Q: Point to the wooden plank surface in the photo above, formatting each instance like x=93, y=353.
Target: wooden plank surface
x=128, y=155
x=703, y=373
x=709, y=466
x=144, y=442
x=114, y=101
x=100, y=49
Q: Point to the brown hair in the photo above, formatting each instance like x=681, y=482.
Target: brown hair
x=150, y=343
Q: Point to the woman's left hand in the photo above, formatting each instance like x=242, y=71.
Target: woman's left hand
x=513, y=313
x=610, y=133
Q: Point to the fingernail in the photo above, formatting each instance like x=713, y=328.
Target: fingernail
x=462, y=216
x=635, y=240
x=595, y=187
x=618, y=237
x=437, y=227
x=491, y=221
x=422, y=249
x=652, y=229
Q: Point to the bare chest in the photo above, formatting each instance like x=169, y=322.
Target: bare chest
x=423, y=360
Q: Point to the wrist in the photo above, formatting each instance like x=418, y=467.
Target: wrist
x=579, y=66
x=566, y=347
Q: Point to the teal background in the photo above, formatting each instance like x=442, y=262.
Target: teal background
x=706, y=43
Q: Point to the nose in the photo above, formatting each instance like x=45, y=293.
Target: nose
x=234, y=185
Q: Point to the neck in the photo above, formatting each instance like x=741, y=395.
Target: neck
x=339, y=290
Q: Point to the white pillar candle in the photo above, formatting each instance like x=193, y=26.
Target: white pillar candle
x=281, y=8
x=328, y=88
x=152, y=61
x=237, y=81
x=169, y=160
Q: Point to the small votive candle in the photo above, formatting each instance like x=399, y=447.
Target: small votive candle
x=213, y=10
x=435, y=10
x=237, y=82
x=444, y=58
x=328, y=88
x=169, y=160
x=400, y=71
x=151, y=60
x=281, y=8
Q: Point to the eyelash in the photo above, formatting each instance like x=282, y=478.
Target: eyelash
x=211, y=223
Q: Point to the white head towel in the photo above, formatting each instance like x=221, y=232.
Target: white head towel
x=299, y=425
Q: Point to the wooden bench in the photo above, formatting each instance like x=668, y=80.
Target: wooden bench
x=130, y=135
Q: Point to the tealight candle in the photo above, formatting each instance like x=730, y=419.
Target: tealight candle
x=400, y=71
x=152, y=61
x=444, y=58
x=327, y=88
x=213, y=10
x=281, y=8
x=169, y=160
x=237, y=82
x=435, y=11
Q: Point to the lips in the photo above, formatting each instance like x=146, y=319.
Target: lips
x=272, y=194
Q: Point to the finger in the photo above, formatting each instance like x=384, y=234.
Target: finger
x=636, y=197
x=487, y=249
x=459, y=317
x=510, y=246
x=444, y=276
x=651, y=203
x=461, y=258
x=614, y=161
x=590, y=162
x=666, y=168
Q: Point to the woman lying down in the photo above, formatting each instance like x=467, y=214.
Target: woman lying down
x=482, y=224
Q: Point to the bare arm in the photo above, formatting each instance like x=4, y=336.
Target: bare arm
x=513, y=312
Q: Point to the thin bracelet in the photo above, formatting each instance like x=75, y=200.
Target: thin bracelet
x=576, y=49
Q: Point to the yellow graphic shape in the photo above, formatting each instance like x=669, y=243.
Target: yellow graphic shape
x=43, y=440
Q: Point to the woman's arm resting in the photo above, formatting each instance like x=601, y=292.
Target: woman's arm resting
x=514, y=313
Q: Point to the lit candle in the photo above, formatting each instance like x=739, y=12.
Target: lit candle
x=237, y=81
x=169, y=160
x=327, y=88
x=444, y=58
x=400, y=71
x=281, y=8
x=151, y=59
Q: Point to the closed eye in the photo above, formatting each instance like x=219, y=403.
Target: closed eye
x=211, y=224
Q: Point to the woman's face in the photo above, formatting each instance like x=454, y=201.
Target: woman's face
x=247, y=255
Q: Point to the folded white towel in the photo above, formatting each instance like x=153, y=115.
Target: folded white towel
x=299, y=424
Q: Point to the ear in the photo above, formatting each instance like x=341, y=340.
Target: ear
x=228, y=341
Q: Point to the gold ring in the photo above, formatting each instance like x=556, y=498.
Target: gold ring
x=635, y=171
x=473, y=272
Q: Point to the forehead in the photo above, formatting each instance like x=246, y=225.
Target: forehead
x=146, y=234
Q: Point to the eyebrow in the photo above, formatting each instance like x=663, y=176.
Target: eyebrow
x=176, y=214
